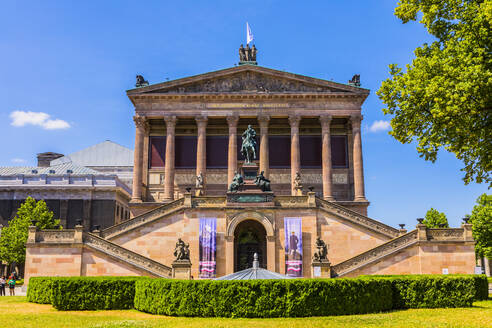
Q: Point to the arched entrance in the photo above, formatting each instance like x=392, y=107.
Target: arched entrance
x=249, y=238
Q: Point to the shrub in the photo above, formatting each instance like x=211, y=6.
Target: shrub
x=94, y=293
x=433, y=291
x=263, y=298
x=39, y=290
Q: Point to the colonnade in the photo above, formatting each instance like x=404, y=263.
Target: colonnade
x=142, y=127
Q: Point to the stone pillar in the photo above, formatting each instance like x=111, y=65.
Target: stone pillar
x=321, y=269
x=359, y=194
x=264, y=150
x=421, y=231
x=140, y=123
x=295, y=155
x=232, y=151
x=229, y=248
x=271, y=258
x=78, y=236
x=145, y=162
x=201, y=144
x=169, y=161
x=87, y=213
x=467, y=232
x=326, y=157
x=31, y=236
x=181, y=269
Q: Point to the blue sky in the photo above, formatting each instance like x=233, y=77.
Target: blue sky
x=73, y=62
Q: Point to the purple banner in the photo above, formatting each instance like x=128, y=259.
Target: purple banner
x=293, y=247
x=207, y=264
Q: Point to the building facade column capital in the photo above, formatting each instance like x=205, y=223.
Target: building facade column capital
x=356, y=119
x=263, y=120
x=170, y=121
x=325, y=120
x=201, y=120
x=294, y=121
x=232, y=121
x=141, y=122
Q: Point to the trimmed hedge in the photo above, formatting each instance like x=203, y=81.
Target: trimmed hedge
x=39, y=290
x=94, y=293
x=435, y=291
x=263, y=298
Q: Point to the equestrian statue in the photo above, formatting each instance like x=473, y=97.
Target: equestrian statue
x=248, y=147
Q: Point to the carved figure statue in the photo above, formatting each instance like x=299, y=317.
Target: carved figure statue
x=262, y=182
x=141, y=82
x=242, y=54
x=297, y=181
x=199, y=181
x=253, y=53
x=322, y=250
x=248, y=147
x=248, y=52
x=237, y=182
x=355, y=80
x=182, y=250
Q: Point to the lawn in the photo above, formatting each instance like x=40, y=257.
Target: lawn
x=17, y=312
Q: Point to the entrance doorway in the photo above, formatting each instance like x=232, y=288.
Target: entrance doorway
x=249, y=238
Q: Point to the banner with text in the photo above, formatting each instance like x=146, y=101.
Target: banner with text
x=207, y=263
x=293, y=247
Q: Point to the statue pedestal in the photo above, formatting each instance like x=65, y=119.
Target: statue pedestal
x=321, y=269
x=181, y=269
x=249, y=171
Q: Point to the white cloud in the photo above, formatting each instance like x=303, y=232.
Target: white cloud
x=18, y=160
x=21, y=118
x=378, y=126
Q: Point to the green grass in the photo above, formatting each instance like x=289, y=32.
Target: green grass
x=17, y=312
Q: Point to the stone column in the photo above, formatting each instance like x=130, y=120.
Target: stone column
x=229, y=265
x=201, y=150
x=63, y=213
x=169, y=161
x=140, y=123
x=271, y=258
x=264, y=150
x=232, y=151
x=326, y=157
x=295, y=156
x=359, y=194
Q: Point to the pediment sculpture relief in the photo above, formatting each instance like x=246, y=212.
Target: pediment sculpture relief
x=247, y=82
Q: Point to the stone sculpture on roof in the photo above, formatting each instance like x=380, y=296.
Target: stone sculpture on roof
x=141, y=82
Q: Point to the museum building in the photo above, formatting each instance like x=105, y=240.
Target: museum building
x=249, y=160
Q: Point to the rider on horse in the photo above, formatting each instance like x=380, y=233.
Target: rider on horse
x=248, y=148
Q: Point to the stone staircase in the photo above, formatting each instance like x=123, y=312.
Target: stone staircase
x=357, y=218
x=104, y=246
x=375, y=254
x=145, y=218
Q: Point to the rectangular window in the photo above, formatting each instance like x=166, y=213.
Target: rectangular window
x=217, y=147
x=279, y=151
x=157, y=151
x=339, y=151
x=310, y=149
x=185, y=151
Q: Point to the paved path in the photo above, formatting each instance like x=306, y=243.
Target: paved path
x=19, y=291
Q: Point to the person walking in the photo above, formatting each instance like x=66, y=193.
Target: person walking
x=11, y=284
x=2, y=286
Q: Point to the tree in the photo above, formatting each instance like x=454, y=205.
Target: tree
x=435, y=219
x=14, y=236
x=444, y=99
x=481, y=219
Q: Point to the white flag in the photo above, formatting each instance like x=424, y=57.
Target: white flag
x=249, y=35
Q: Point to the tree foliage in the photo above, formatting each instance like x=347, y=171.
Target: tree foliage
x=14, y=236
x=444, y=99
x=481, y=218
x=435, y=219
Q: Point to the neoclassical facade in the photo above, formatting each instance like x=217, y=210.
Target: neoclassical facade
x=309, y=147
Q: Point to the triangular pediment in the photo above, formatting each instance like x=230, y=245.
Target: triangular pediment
x=247, y=79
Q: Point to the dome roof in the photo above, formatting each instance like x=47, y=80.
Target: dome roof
x=254, y=273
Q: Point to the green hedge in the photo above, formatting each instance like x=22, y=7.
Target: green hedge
x=435, y=291
x=263, y=298
x=39, y=290
x=94, y=293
